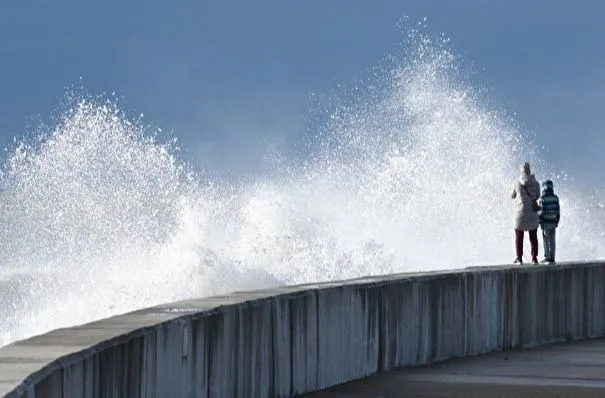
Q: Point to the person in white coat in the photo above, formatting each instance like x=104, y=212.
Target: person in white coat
x=526, y=192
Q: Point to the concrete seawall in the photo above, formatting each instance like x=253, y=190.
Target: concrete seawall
x=293, y=340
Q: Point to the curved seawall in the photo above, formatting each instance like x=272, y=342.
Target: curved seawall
x=298, y=339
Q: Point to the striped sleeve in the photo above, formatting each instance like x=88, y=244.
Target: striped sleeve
x=550, y=208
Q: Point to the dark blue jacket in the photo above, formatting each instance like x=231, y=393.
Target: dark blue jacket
x=551, y=212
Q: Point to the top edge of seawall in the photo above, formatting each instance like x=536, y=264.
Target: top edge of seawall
x=208, y=304
x=241, y=296
x=380, y=278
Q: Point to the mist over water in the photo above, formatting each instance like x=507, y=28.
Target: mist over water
x=413, y=172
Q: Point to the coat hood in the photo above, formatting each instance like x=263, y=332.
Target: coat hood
x=525, y=178
x=547, y=186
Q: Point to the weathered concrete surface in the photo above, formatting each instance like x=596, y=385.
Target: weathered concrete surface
x=574, y=370
x=294, y=340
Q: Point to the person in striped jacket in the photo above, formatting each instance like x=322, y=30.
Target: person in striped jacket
x=549, y=215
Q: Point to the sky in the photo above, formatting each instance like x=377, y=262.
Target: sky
x=229, y=77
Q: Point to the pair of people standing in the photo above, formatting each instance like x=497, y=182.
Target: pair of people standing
x=532, y=209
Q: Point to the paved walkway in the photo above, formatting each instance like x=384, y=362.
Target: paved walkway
x=575, y=370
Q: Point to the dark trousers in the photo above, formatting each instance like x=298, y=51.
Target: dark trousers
x=533, y=240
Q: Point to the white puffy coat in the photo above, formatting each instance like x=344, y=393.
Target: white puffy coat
x=524, y=217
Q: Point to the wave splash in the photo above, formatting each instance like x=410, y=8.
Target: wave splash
x=413, y=173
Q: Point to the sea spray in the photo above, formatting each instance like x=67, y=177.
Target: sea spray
x=412, y=172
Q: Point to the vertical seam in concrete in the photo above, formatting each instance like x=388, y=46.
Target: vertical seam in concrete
x=274, y=336
x=317, y=339
x=382, y=331
x=291, y=346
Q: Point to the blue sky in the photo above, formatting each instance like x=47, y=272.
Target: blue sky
x=228, y=76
